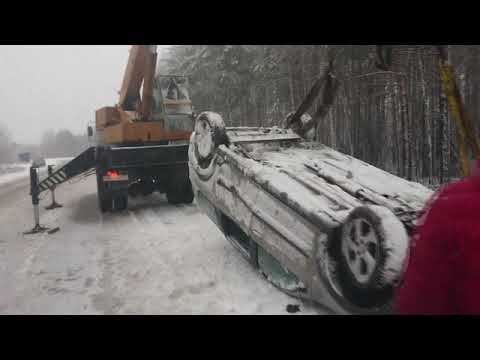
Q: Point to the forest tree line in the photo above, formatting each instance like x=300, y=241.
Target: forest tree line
x=397, y=119
x=62, y=143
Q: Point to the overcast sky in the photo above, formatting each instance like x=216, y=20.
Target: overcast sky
x=57, y=87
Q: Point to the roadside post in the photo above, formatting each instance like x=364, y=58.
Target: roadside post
x=34, y=192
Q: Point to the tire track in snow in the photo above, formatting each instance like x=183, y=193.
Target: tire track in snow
x=105, y=301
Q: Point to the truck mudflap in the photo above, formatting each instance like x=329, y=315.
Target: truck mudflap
x=334, y=229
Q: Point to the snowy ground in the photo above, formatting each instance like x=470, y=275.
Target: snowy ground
x=13, y=172
x=153, y=259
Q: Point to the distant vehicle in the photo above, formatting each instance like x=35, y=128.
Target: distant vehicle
x=25, y=157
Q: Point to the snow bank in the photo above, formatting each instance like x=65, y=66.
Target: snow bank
x=11, y=173
x=12, y=168
x=6, y=179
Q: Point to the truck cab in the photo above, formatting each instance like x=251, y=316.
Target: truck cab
x=172, y=103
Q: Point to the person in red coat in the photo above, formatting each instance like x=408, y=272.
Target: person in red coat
x=443, y=271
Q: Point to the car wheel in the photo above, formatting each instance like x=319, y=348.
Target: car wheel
x=371, y=249
x=209, y=134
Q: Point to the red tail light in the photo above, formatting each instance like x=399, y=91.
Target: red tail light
x=112, y=173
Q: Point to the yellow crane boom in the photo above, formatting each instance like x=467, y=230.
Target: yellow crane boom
x=140, y=69
x=466, y=130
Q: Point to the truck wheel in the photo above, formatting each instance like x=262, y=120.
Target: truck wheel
x=187, y=192
x=106, y=204
x=179, y=188
x=173, y=197
x=104, y=201
x=371, y=251
x=120, y=202
x=180, y=192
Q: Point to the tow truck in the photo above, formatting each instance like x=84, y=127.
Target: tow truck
x=139, y=145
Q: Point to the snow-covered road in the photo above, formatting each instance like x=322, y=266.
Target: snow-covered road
x=153, y=259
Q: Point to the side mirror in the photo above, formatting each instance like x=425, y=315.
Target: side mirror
x=90, y=131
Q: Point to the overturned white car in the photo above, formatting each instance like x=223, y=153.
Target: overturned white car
x=317, y=223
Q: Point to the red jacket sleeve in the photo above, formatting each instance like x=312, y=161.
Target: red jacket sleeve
x=428, y=283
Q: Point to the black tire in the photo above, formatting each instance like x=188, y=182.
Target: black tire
x=187, y=192
x=106, y=205
x=369, y=252
x=180, y=193
x=180, y=189
x=120, y=202
x=173, y=196
x=104, y=200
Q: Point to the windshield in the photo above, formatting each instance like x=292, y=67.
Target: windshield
x=174, y=87
x=174, y=90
